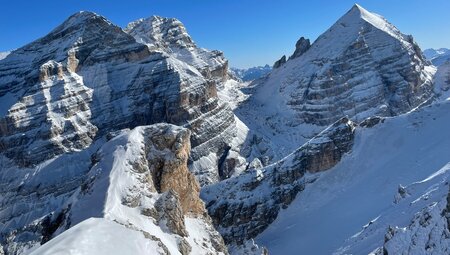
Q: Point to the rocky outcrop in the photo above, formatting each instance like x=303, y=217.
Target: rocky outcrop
x=242, y=207
x=427, y=233
x=279, y=62
x=88, y=77
x=171, y=173
x=301, y=47
x=138, y=179
x=442, y=81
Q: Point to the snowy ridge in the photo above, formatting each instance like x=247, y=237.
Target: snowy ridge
x=128, y=193
x=170, y=35
x=359, y=191
x=4, y=54
x=68, y=92
x=361, y=67
x=119, y=83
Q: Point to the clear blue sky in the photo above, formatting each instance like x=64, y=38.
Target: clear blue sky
x=250, y=32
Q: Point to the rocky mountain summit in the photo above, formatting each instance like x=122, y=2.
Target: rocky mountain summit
x=170, y=35
x=88, y=77
x=66, y=94
x=136, y=140
x=362, y=66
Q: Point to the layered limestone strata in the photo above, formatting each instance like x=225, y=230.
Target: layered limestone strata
x=170, y=35
x=244, y=206
x=361, y=66
x=88, y=77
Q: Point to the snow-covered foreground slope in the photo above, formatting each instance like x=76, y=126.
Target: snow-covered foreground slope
x=138, y=183
x=409, y=150
x=101, y=237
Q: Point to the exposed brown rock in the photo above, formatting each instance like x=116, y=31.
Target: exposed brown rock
x=243, y=207
x=170, y=171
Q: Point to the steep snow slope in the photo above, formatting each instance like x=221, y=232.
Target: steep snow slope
x=362, y=187
x=99, y=236
x=417, y=222
x=362, y=66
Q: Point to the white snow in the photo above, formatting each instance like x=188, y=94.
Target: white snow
x=404, y=150
x=4, y=54
x=100, y=237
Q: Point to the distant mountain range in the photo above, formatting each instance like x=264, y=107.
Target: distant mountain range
x=437, y=56
x=252, y=73
x=137, y=141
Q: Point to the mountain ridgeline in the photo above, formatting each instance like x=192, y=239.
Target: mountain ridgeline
x=135, y=140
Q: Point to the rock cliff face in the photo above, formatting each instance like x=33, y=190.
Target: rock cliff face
x=170, y=35
x=244, y=206
x=368, y=68
x=139, y=180
x=81, y=155
x=301, y=47
x=362, y=66
x=442, y=81
x=88, y=77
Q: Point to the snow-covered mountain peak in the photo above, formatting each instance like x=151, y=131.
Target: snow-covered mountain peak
x=81, y=20
x=351, y=26
x=170, y=36
x=358, y=11
x=159, y=31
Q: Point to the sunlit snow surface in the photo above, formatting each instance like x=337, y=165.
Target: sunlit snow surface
x=4, y=54
x=101, y=237
x=411, y=150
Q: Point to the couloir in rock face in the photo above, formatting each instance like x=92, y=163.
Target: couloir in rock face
x=242, y=207
x=88, y=77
